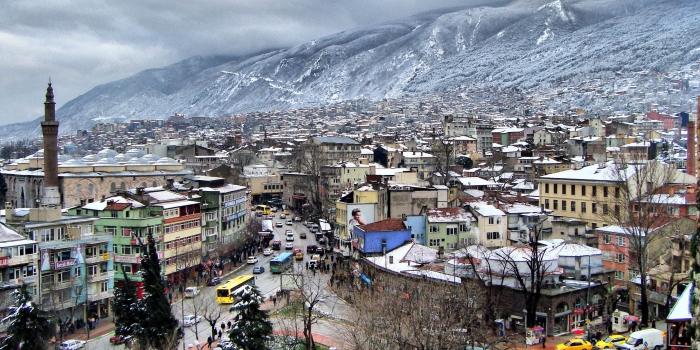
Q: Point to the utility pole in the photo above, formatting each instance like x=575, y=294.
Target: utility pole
x=182, y=296
x=588, y=300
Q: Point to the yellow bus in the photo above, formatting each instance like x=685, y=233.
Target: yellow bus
x=263, y=209
x=224, y=292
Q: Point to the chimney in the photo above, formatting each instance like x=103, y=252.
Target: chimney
x=9, y=211
x=49, y=130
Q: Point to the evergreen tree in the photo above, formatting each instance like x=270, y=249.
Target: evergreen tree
x=3, y=191
x=28, y=327
x=251, y=328
x=158, y=328
x=126, y=308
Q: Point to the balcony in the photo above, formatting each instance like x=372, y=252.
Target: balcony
x=14, y=283
x=100, y=276
x=17, y=260
x=100, y=295
x=99, y=258
x=59, y=285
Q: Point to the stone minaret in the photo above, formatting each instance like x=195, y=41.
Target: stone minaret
x=49, y=128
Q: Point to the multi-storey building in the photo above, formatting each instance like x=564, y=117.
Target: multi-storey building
x=224, y=211
x=128, y=222
x=421, y=162
x=492, y=224
x=75, y=263
x=18, y=266
x=331, y=150
x=449, y=229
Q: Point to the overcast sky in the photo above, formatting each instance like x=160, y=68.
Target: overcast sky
x=80, y=44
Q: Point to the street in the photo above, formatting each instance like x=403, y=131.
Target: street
x=267, y=283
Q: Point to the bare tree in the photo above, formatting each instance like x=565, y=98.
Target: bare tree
x=637, y=202
x=414, y=312
x=309, y=160
x=529, y=266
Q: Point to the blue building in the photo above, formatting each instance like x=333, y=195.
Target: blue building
x=380, y=236
x=416, y=223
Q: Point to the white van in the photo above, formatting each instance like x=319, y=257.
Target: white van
x=290, y=236
x=650, y=338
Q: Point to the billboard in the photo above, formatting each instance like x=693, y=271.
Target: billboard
x=363, y=214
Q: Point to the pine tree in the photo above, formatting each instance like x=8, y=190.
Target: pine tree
x=28, y=326
x=126, y=308
x=251, y=328
x=158, y=328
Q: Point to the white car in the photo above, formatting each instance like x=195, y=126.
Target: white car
x=282, y=216
x=252, y=260
x=278, y=224
x=191, y=292
x=288, y=222
x=190, y=320
x=267, y=252
x=72, y=344
x=289, y=246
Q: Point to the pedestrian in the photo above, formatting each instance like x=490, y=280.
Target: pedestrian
x=328, y=267
x=331, y=258
x=222, y=325
x=274, y=300
x=314, y=270
x=543, y=340
x=209, y=341
x=653, y=323
x=228, y=325
x=220, y=333
x=307, y=265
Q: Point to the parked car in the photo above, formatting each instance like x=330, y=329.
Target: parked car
x=190, y=320
x=302, y=235
x=214, y=281
x=650, y=338
x=267, y=252
x=289, y=246
x=252, y=260
x=116, y=340
x=311, y=248
x=609, y=342
x=575, y=344
x=191, y=292
x=258, y=269
x=72, y=344
x=288, y=222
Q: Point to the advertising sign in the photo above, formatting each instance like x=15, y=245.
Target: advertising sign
x=359, y=214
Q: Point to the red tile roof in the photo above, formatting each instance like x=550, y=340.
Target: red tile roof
x=117, y=206
x=385, y=225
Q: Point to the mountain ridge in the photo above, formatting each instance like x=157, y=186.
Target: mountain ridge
x=525, y=44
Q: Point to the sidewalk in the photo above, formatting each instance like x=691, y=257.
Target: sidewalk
x=106, y=325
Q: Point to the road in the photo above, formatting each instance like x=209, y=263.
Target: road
x=267, y=283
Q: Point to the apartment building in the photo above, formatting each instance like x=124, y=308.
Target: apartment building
x=449, y=229
x=492, y=224
x=18, y=266
x=331, y=150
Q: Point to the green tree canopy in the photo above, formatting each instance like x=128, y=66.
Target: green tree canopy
x=251, y=328
x=28, y=326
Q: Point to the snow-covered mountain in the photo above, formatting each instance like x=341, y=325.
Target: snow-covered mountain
x=524, y=43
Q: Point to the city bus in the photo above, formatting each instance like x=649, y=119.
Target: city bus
x=225, y=291
x=263, y=209
x=281, y=263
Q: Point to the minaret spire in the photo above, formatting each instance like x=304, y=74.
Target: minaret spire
x=49, y=129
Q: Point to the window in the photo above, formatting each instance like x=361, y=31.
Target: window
x=619, y=258
x=563, y=204
x=607, y=256
x=126, y=250
x=583, y=190
x=434, y=243
x=556, y=204
x=546, y=188
x=605, y=191
x=555, y=188
x=617, y=210
x=451, y=231
x=573, y=190
x=605, y=209
x=607, y=239
x=126, y=232
x=111, y=230
x=493, y=235
x=617, y=192
x=491, y=220
x=594, y=208
x=127, y=268
x=563, y=189
x=104, y=287
x=583, y=207
x=573, y=206
x=594, y=191
x=463, y=227
x=434, y=228
x=620, y=275
x=452, y=246
x=673, y=211
x=467, y=241
x=620, y=241
x=91, y=190
x=546, y=203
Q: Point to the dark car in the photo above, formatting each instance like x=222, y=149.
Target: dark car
x=116, y=340
x=322, y=240
x=302, y=235
x=213, y=281
x=311, y=248
x=320, y=251
x=258, y=269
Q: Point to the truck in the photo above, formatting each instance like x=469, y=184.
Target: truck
x=267, y=226
x=649, y=338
